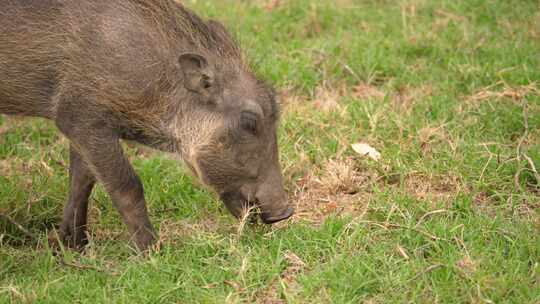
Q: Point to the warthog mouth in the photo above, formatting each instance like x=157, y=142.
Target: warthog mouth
x=237, y=204
x=270, y=219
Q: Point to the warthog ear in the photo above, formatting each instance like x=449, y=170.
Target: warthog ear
x=197, y=75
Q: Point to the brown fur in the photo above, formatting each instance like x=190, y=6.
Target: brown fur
x=149, y=71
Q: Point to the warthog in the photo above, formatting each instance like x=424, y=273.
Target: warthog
x=146, y=71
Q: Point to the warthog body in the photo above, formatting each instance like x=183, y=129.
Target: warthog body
x=148, y=71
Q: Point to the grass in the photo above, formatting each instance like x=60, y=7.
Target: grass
x=447, y=91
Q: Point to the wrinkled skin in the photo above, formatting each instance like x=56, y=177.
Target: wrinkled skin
x=147, y=71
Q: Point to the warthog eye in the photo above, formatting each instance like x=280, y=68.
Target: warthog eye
x=248, y=121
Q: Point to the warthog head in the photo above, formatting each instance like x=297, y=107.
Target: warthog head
x=230, y=136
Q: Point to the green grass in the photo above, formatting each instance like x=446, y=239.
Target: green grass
x=450, y=214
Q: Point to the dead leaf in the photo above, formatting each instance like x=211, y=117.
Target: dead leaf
x=366, y=150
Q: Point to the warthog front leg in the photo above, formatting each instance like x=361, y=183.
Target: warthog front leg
x=99, y=147
x=73, y=228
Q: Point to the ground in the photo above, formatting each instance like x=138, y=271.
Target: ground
x=447, y=91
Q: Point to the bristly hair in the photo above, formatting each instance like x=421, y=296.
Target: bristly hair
x=205, y=36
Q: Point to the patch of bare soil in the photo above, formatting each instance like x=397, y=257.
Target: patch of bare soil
x=340, y=187
x=366, y=91
x=337, y=188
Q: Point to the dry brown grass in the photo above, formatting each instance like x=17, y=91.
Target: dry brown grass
x=271, y=5
x=534, y=27
x=171, y=231
x=5, y=167
x=433, y=188
x=326, y=99
x=501, y=90
x=467, y=265
x=366, y=91
x=10, y=123
x=17, y=167
x=405, y=97
x=430, y=136
x=340, y=186
x=337, y=188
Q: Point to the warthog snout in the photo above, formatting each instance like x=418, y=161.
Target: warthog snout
x=270, y=212
x=272, y=198
x=268, y=196
x=273, y=217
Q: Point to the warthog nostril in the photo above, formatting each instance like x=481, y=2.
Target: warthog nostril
x=270, y=219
